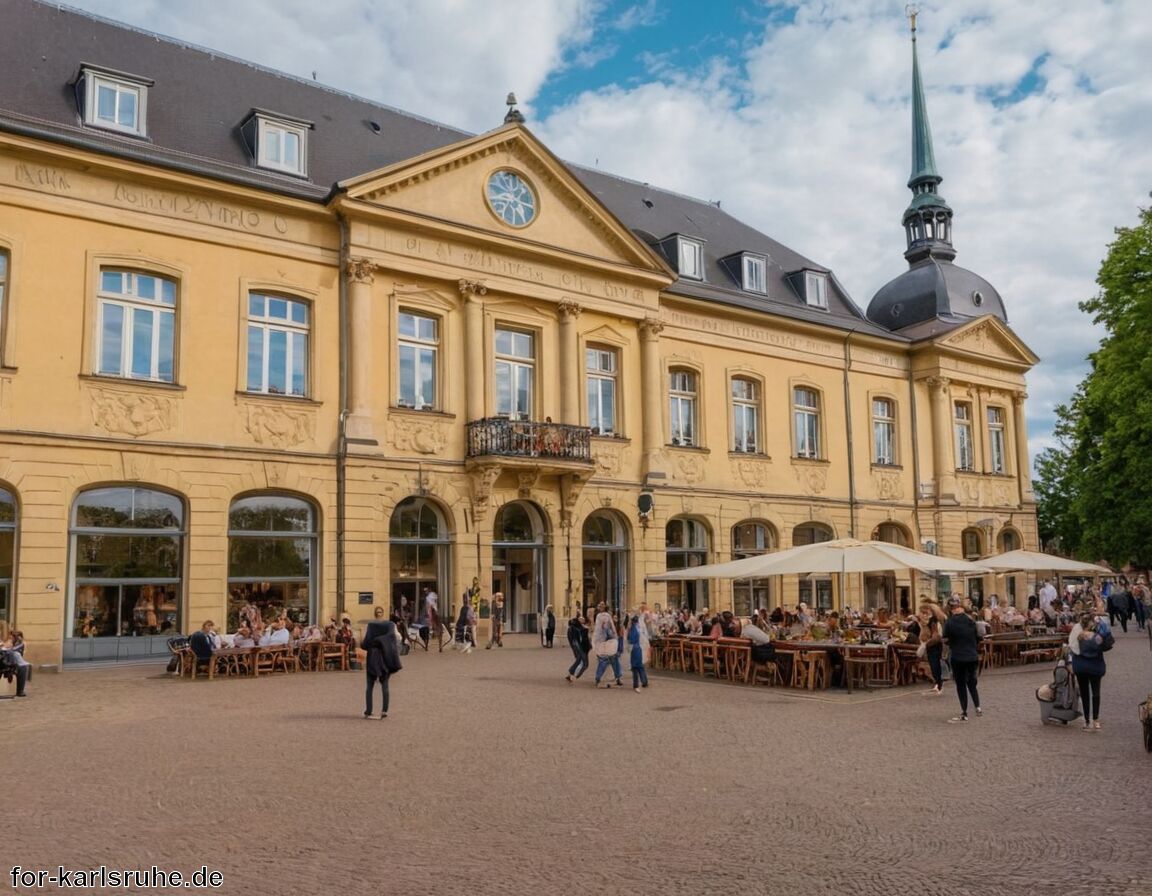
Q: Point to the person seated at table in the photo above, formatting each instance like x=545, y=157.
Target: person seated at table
x=1014, y=618
x=804, y=615
x=983, y=629
x=882, y=616
x=243, y=637
x=276, y=635
x=695, y=625
x=345, y=635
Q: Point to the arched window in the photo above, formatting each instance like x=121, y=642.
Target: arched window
x=972, y=544
x=686, y=545
x=271, y=557
x=7, y=556
x=418, y=555
x=128, y=550
x=892, y=534
x=1009, y=541
x=605, y=558
x=816, y=591
x=750, y=539
x=520, y=564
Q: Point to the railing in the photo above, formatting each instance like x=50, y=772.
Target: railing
x=522, y=438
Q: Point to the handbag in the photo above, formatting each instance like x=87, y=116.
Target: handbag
x=607, y=649
x=922, y=650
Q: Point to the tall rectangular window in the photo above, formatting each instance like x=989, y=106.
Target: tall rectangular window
x=996, y=439
x=515, y=374
x=883, y=431
x=115, y=101
x=691, y=255
x=816, y=289
x=965, y=459
x=136, y=323
x=755, y=270
x=682, y=407
x=277, y=345
x=601, y=370
x=745, y=415
x=419, y=349
x=3, y=299
x=806, y=422
x=282, y=146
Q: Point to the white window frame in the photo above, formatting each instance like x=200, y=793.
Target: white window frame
x=121, y=85
x=683, y=391
x=745, y=416
x=5, y=279
x=272, y=132
x=267, y=324
x=754, y=272
x=601, y=366
x=518, y=365
x=816, y=289
x=962, y=426
x=132, y=306
x=422, y=342
x=690, y=258
x=997, y=457
x=883, y=431
x=806, y=422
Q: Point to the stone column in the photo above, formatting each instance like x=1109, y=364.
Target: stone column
x=939, y=389
x=474, y=373
x=1020, y=437
x=652, y=395
x=361, y=373
x=570, y=366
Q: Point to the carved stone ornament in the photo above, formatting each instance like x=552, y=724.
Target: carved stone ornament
x=753, y=473
x=571, y=487
x=940, y=383
x=1002, y=494
x=568, y=311
x=610, y=458
x=473, y=288
x=813, y=480
x=360, y=270
x=889, y=486
x=689, y=468
x=483, y=480
x=978, y=338
x=651, y=328
x=132, y=413
x=422, y=436
x=526, y=481
x=970, y=491
x=279, y=427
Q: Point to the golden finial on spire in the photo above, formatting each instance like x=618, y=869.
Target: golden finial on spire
x=912, y=10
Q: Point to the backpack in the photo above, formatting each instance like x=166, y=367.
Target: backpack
x=1108, y=641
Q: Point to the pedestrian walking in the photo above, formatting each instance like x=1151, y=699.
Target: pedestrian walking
x=497, y=619
x=581, y=644
x=930, y=619
x=549, y=626
x=637, y=645
x=1086, y=641
x=959, y=633
x=382, y=662
x=606, y=644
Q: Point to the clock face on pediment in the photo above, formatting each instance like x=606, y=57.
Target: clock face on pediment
x=511, y=198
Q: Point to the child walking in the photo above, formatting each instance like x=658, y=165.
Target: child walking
x=637, y=642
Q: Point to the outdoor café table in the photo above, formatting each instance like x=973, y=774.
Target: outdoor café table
x=790, y=649
x=870, y=658
x=705, y=652
x=310, y=653
x=1004, y=647
x=234, y=660
x=736, y=657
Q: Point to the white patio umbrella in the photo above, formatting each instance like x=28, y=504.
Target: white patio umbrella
x=1034, y=561
x=843, y=555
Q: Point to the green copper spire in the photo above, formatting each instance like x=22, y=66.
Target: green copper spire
x=928, y=219
x=923, y=159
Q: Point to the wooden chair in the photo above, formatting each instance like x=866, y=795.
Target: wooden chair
x=335, y=652
x=767, y=671
x=707, y=654
x=687, y=656
x=811, y=670
x=867, y=668
x=286, y=660
x=264, y=661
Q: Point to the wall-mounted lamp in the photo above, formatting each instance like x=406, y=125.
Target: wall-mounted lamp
x=647, y=507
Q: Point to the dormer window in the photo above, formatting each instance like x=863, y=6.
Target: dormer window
x=277, y=142
x=816, y=289
x=691, y=258
x=114, y=100
x=755, y=273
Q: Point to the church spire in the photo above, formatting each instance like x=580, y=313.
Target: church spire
x=928, y=220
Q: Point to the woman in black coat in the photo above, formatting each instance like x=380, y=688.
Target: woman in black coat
x=549, y=626
x=383, y=660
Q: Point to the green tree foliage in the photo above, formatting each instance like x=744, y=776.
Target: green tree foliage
x=1093, y=487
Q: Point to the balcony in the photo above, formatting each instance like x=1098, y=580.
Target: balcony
x=552, y=443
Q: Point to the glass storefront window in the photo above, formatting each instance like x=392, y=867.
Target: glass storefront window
x=271, y=557
x=7, y=556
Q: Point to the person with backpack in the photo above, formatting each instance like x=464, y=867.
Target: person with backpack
x=1088, y=644
x=606, y=643
x=382, y=662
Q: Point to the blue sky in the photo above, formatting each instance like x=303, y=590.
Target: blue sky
x=794, y=115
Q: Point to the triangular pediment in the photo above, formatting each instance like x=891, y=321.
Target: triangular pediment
x=990, y=340
x=449, y=186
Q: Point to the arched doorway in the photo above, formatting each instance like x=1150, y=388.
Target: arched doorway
x=604, y=544
x=814, y=590
x=686, y=545
x=1009, y=540
x=127, y=574
x=520, y=564
x=880, y=589
x=972, y=544
x=8, y=516
x=419, y=549
x=750, y=539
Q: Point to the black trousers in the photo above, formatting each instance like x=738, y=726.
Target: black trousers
x=1089, y=695
x=964, y=674
x=383, y=693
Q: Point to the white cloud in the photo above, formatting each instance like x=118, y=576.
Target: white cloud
x=804, y=133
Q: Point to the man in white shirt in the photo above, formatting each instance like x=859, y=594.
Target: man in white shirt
x=432, y=611
x=1047, y=595
x=276, y=635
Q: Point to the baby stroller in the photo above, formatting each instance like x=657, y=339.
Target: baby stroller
x=462, y=637
x=1060, y=699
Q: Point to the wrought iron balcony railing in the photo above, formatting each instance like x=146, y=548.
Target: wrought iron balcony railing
x=522, y=438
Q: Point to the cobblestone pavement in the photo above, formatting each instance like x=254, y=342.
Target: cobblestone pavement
x=492, y=775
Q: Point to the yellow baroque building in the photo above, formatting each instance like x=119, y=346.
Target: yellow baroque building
x=265, y=343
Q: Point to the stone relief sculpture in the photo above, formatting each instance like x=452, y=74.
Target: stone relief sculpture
x=753, y=473
x=131, y=413
x=813, y=480
x=278, y=427
x=422, y=436
x=888, y=485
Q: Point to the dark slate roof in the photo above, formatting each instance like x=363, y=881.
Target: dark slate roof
x=934, y=289
x=200, y=99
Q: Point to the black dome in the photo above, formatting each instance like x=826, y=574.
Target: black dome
x=930, y=289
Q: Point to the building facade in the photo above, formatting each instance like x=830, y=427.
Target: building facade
x=267, y=343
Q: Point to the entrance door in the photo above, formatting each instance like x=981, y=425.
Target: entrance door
x=520, y=565
x=605, y=559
